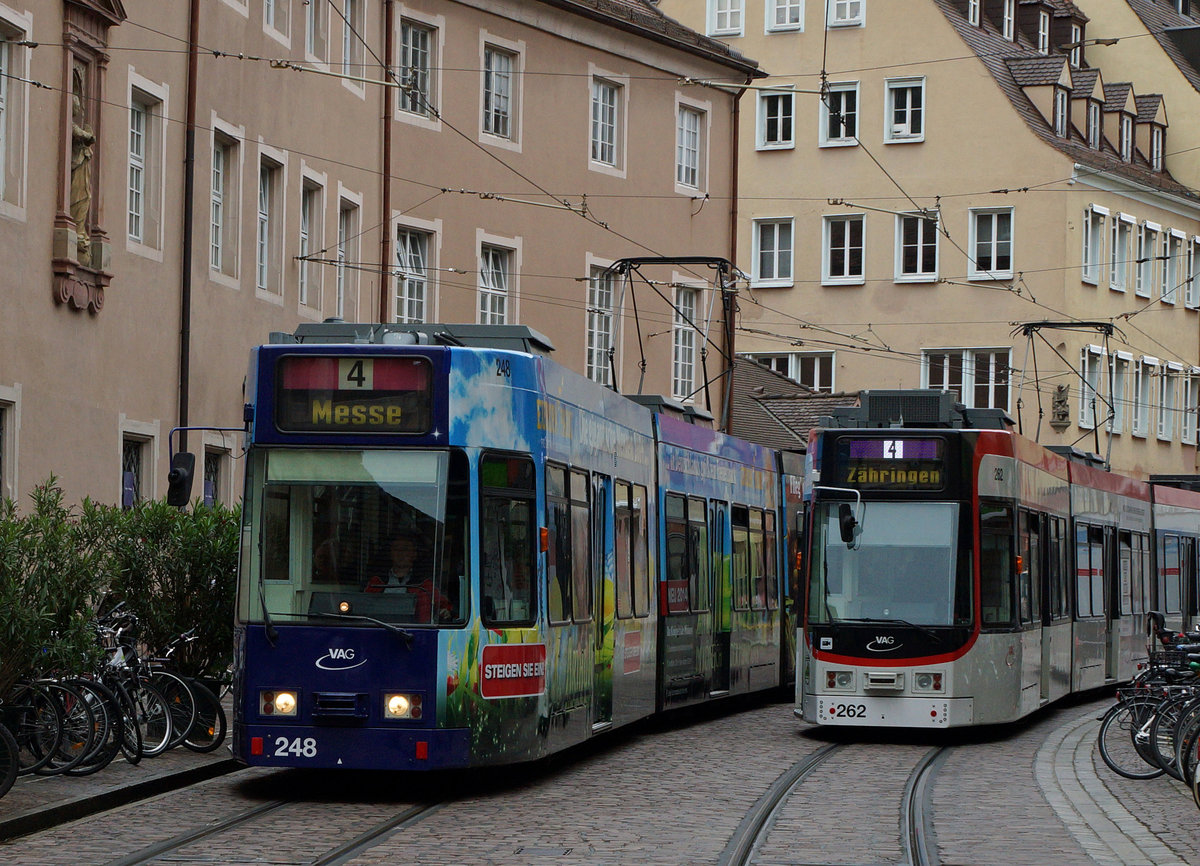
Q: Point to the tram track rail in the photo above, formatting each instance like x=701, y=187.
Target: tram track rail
x=339, y=854
x=915, y=826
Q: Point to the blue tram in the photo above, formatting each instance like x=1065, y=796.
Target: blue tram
x=457, y=552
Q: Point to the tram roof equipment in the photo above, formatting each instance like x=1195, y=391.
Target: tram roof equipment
x=924, y=408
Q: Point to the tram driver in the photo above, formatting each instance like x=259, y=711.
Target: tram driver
x=404, y=574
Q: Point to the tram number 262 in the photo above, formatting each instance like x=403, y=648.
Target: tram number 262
x=848, y=711
x=301, y=748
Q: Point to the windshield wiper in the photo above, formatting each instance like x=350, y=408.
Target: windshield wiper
x=895, y=621
x=394, y=629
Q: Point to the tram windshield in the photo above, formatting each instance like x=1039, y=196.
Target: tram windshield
x=355, y=536
x=904, y=566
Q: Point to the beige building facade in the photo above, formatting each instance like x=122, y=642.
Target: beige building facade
x=179, y=180
x=961, y=194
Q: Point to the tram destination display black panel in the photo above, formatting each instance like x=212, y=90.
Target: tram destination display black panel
x=353, y=394
x=890, y=464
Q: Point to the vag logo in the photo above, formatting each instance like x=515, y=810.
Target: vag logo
x=339, y=659
x=883, y=643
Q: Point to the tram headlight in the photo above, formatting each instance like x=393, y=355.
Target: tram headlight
x=927, y=681
x=278, y=702
x=397, y=705
x=840, y=680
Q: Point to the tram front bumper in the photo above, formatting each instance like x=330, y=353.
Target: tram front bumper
x=353, y=748
x=890, y=711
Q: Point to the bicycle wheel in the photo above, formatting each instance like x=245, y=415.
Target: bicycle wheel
x=109, y=725
x=80, y=727
x=178, y=693
x=153, y=717
x=1162, y=734
x=9, y=764
x=1124, y=739
x=35, y=721
x=1187, y=740
x=208, y=731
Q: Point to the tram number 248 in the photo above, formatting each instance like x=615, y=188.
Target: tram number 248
x=301, y=748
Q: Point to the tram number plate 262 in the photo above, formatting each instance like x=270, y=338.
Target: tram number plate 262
x=847, y=711
x=305, y=747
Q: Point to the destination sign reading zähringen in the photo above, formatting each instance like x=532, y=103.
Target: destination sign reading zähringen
x=890, y=464
x=355, y=394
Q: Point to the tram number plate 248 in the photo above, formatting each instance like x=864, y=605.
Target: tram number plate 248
x=305, y=747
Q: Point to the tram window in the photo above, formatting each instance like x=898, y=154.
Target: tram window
x=1168, y=574
x=1125, y=603
x=1089, y=570
x=558, y=557
x=581, y=521
x=277, y=509
x=698, y=554
x=758, y=578
x=741, y=558
x=1029, y=568
x=623, y=549
x=770, y=560
x=1138, y=588
x=640, y=541
x=507, y=555
x=678, y=570
x=995, y=565
x=1059, y=576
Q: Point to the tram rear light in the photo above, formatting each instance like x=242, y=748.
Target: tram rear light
x=401, y=706
x=839, y=679
x=927, y=681
x=277, y=703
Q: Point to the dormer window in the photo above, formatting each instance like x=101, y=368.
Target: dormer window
x=973, y=12
x=1157, y=142
x=1183, y=7
x=1043, y=33
x=1093, y=124
x=1076, y=55
x=1061, y=112
x=1007, y=20
x=1126, y=138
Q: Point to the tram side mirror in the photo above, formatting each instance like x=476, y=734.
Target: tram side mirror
x=179, y=479
x=848, y=524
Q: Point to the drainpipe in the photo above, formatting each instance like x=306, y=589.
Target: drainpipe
x=189, y=195
x=385, y=205
x=727, y=295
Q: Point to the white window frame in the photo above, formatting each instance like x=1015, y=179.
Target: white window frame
x=10, y=439
x=149, y=163
x=148, y=434
x=269, y=226
x=277, y=21
x=618, y=140
x=225, y=202
x=347, y=250
x=776, y=119
x=1062, y=112
x=1075, y=55
x=779, y=268
x=846, y=250
x=726, y=17
x=14, y=112
x=1043, y=32
x=1095, y=125
x=600, y=325
x=485, y=310
x=684, y=337
x=841, y=89
x=414, y=295
x=1170, y=375
x=978, y=215
x=1008, y=19
x=1147, y=248
x=792, y=11
x=1125, y=137
x=1191, y=400
x=311, y=240
x=845, y=13
x=925, y=224
x=1120, y=254
x=1191, y=296
x=973, y=17
x=316, y=31
x=967, y=358
x=1171, y=282
x=902, y=133
x=691, y=145
x=352, y=43
x=1091, y=387
x=1158, y=137
x=1092, y=257
x=1145, y=369
x=426, y=113
x=1119, y=367
x=501, y=91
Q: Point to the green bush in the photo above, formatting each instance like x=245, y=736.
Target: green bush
x=177, y=571
x=51, y=575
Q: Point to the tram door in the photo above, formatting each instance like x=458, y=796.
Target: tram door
x=604, y=609
x=722, y=597
x=1112, y=604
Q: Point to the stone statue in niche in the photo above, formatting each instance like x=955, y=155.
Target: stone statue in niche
x=82, y=141
x=1060, y=408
